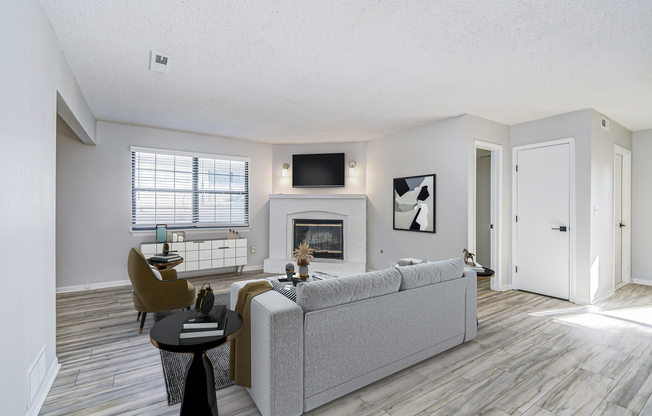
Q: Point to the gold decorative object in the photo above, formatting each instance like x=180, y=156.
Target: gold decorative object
x=303, y=256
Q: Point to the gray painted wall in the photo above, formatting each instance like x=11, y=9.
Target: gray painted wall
x=578, y=125
x=497, y=133
x=354, y=152
x=602, y=183
x=641, y=203
x=440, y=148
x=32, y=72
x=94, y=198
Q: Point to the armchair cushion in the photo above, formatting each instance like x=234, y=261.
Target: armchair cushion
x=157, y=274
x=168, y=274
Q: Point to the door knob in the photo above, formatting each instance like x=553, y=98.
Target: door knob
x=561, y=228
x=622, y=225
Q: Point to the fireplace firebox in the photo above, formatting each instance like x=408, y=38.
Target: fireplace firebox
x=326, y=237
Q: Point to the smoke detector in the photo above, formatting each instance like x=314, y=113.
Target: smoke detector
x=159, y=63
x=605, y=124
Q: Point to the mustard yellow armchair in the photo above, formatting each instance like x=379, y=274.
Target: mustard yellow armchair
x=154, y=295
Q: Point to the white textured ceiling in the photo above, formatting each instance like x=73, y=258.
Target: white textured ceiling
x=320, y=71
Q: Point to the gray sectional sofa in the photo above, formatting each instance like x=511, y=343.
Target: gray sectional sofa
x=345, y=333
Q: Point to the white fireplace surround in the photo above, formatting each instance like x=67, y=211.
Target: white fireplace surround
x=350, y=208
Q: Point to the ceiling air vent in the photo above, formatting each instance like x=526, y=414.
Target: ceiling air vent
x=160, y=63
x=604, y=123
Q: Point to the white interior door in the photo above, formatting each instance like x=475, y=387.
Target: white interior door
x=543, y=217
x=618, y=216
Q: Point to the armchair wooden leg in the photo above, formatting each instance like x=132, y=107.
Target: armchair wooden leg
x=138, y=317
x=142, y=322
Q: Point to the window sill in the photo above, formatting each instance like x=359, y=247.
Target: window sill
x=190, y=231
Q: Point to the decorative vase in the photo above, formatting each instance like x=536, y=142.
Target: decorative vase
x=289, y=271
x=303, y=273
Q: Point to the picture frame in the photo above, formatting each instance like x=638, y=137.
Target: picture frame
x=414, y=203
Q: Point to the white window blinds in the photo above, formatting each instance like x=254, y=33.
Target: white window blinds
x=186, y=190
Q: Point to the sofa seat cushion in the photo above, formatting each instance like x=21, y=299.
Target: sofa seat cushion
x=322, y=294
x=430, y=273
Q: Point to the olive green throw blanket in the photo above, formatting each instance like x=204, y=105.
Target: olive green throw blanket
x=240, y=357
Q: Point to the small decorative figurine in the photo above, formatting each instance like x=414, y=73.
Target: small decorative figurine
x=289, y=271
x=468, y=258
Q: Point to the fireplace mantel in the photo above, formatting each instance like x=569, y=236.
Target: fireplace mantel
x=351, y=209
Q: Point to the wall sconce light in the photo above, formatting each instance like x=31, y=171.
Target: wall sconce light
x=285, y=173
x=351, y=168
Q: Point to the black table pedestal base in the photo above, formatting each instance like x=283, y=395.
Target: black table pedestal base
x=199, y=397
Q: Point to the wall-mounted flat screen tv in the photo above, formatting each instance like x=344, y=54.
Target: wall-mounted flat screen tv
x=323, y=170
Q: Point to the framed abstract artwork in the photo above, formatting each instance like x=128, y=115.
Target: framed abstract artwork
x=414, y=203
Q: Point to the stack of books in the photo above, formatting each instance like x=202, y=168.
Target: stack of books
x=200, y=326
x=165, y=258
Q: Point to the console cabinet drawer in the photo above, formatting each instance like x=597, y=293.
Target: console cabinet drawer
x=202, y=255
x=192, y=256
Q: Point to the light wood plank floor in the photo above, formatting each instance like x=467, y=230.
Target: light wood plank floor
x=534, y=356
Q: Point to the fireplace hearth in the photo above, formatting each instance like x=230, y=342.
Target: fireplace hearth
x=326, y=237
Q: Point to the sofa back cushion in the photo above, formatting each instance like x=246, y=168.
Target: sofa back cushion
x=429, y=273
x=321, y=294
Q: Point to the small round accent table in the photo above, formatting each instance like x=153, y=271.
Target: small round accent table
x=164, y=266
x=199, y=397
x=486, y=274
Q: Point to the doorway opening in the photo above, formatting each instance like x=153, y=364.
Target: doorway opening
x=484, y=224
x=622, y=216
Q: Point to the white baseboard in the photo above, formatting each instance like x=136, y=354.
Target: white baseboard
x=642, y=282
x=116, y=283
x=253, y=268
x=45, y=389
x=506, y=287
x=92, y=286
x=580, y=300
x=607, y=295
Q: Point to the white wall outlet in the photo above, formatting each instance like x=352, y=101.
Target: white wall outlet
x=253, y=249
x=595, y=210
x=159, y=62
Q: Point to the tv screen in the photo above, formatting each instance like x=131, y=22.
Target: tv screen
x=324, y=170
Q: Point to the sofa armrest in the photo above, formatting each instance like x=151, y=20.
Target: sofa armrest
x=471, y=315
x=235, y=288
x=276, y=353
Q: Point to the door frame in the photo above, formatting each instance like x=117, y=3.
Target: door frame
x=496, y=208
x=571, y=226
x=626, y=258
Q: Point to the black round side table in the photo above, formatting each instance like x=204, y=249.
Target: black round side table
x=199, y=397
x=486, y=274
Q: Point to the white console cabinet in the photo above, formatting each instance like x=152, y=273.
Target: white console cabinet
x=203, y=255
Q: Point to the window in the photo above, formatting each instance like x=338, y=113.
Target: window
x=188, y=190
